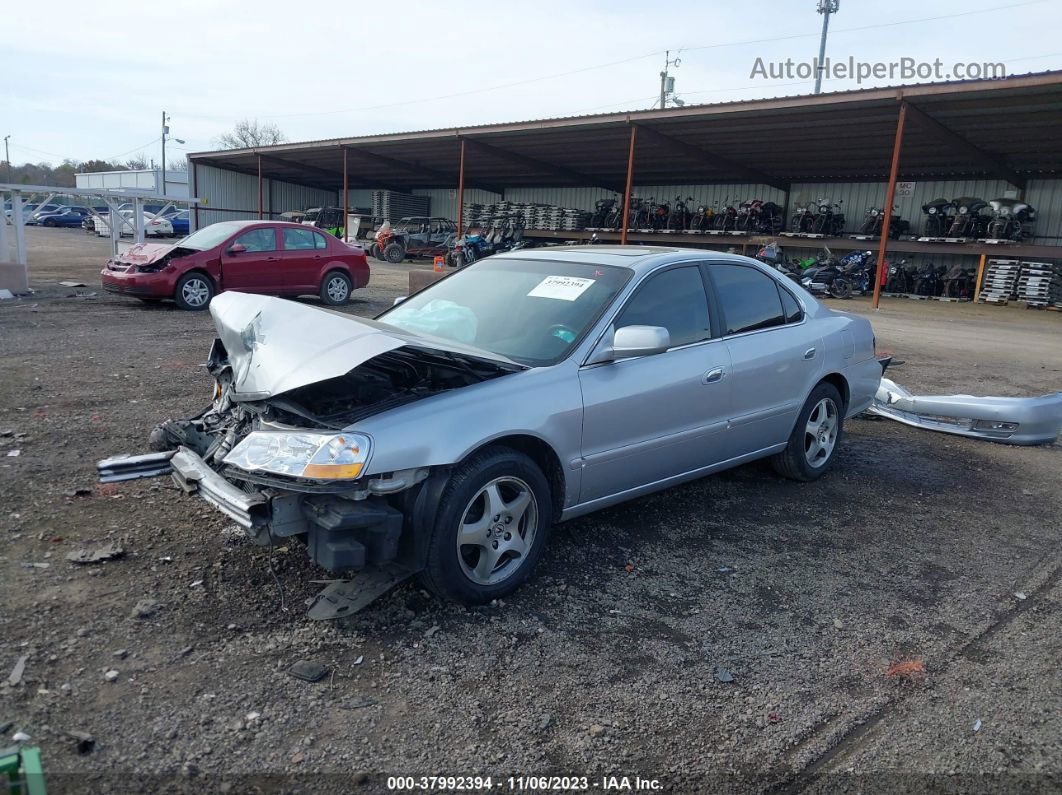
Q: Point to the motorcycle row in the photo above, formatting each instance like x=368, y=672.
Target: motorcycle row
x=969, y=217
x=827, y=276
x=683, y=214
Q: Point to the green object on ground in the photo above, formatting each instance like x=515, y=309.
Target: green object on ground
x=22, y=769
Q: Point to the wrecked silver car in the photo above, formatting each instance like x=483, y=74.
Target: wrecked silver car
x=445, y=437
x=1026, y=421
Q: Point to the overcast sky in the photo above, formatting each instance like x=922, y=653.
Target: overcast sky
x=90, y=79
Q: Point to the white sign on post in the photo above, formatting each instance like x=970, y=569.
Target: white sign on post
x=905, y=188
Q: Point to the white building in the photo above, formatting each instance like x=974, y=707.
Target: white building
x=148, y=180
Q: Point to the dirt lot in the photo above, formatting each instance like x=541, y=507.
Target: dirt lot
x=608, y=663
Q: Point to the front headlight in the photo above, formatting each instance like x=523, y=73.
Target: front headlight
x=302, y=454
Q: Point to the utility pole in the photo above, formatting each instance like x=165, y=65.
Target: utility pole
x=165, y=135
x=166, y=129
x=667, y=84
x=7, y=158
x=826, y=7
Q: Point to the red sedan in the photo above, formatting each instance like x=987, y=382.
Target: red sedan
x=274, y=258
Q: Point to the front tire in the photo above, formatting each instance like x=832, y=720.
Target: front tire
x=813, y=443
x=194, y=291
x=336, y=288
x=394, y=253
x=490, y=529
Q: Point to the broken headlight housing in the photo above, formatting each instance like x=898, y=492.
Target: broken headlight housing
x=302, y=454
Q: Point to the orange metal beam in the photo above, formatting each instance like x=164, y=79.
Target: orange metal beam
x=890, y=197
x=259, y=187
x=461, y=192
x=627, y=189
x=346, y=198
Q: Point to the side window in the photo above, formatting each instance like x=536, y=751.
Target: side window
x=674, y=299
x=298, y=239
x=264, y=239
x=749, y=299
x=790, y=306
x=319, y=240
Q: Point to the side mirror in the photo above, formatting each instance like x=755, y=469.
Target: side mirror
x=236, y=248
x=631, y=341
x=399, y=299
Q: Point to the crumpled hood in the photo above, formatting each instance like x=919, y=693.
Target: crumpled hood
x=144, y=253
x=275, y=345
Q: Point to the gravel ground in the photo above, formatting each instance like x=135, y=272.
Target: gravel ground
x=608, y=663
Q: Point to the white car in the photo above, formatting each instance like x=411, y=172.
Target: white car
x=153, y=227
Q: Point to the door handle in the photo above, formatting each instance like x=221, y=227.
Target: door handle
x=809, y=353
x=713, y=376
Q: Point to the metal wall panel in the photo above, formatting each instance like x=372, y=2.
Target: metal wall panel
x=232, y=196
x=444, y=200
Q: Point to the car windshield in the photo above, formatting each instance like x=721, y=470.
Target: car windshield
x=210, y=236
x=531, y=311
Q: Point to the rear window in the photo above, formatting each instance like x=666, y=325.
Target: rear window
x=749, y=299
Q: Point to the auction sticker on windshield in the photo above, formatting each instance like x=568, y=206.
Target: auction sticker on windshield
x=566, y=288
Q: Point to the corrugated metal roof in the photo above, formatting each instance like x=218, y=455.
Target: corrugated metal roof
x=844, y=135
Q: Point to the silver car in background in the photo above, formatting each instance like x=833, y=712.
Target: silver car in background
x=444, y=438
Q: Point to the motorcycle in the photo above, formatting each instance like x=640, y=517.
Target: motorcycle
x=875, y=218
x=969, y=221
x=898, y=279
x=938, y=214
x=927, y=280
x=678, y=219
x=958, y=282
x=703, y=219
x=726, y=218
x=771, y=255
x=803, y=219
x=829, y=220
x=1009, y=217
x=826, y=278
x=603, y=211
x=859, y=268
x=769, y=219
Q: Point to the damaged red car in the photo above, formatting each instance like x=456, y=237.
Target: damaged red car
x=272, y=258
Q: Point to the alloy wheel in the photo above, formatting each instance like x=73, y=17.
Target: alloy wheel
x=498, y=528
x=337, y=289
x=820, y=434
x=195, y=292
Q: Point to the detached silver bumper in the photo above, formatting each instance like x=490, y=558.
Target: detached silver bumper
x=1027, y=421
x=193, y=475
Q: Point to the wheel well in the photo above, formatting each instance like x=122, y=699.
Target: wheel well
x=201, y=272
x=542, y=454
x=839, y=382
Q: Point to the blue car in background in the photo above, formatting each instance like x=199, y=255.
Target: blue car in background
x=179, y=221
x=65, y=216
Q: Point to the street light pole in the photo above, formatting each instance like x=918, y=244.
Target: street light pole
x=826, y=7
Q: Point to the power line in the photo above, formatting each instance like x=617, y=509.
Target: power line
x=134, y=149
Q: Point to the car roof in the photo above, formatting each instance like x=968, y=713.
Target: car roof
x=640, y=259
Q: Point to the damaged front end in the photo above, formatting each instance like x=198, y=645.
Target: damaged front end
x=278, y=450
x=1022, y=421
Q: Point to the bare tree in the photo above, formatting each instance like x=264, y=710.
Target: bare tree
x=136, y=163
x=247, y=134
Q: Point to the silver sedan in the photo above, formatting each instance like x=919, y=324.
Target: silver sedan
x=446, y=437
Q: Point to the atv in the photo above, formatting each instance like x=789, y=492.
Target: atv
x=413, y=237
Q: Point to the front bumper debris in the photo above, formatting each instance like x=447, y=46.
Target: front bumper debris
x=131, y=467
x=191, y=473
x=1023, y=421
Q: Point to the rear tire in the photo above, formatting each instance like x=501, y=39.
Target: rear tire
x=336, y=288
x=812, y=446
x=499, y=501
x=194, y=291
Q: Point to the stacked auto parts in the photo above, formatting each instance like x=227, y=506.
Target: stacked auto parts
x=1040, y=284
x=394, y=205
x=1000, y=283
